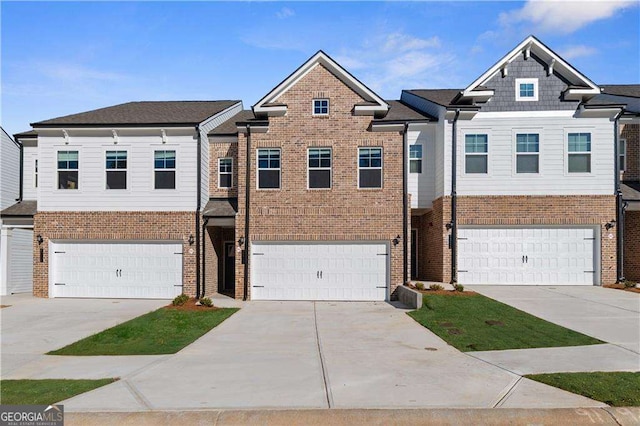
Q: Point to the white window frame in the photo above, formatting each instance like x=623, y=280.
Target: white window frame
x=516, y=153
x=623, y=143
x=469, y=132
x=533, y=81
x=279, y=169
x=35, y=173
x=313, y=107
x=225, y=173
x=175, y=169
x=126, y=170
x=421, y=159
x=381, y=168
x=67, y=149
x=330, y=168
x=568, y=131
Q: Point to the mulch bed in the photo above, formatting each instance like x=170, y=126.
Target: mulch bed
x=191, y=306
x=622, y=287
x=445, y=292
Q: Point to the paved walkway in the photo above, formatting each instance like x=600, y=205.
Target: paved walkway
x=305, y=355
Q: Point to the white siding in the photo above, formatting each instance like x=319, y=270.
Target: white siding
x=205, y=128
x=553, y=178
x=140, y=194
x=9, y=171
x=422, y=186
x=29, y=191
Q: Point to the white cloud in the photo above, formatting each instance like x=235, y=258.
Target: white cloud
x=77, y=73
x=285, y=13
x=563, y=16
x=572, y=52
x=398, y=42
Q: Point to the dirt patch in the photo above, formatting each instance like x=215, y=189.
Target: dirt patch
x=446, y=324
x=448, y=292
x=454, y=331
x=493, y=322
x=622, y=287
x=191, y=306
x=4, y=306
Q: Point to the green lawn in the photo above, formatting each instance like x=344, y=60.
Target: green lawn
x=164, y=331
x=618, y=389
x=476, y=323
x=45, y=392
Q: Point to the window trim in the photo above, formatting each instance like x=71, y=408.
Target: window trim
x=622, y=141
x=67, y=148
x=119, y=170
x=469, y=132
x=163, y=147
x=516, y=132
x=371, y=168
x=229, y=173
x=258, y=170
x=520, y=81
x=320, y=168
x=568, y=131
x=421, y=159
x=313, y=107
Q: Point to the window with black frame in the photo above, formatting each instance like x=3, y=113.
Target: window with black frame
x=164, y=164
x=319, y=163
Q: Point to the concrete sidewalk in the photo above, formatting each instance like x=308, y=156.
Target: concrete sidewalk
x=403, y=417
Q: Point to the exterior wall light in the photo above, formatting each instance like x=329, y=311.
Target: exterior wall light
x=241, y=241
x=39, y=239
x=396, y=240
x=191, y=240
x=610, y=225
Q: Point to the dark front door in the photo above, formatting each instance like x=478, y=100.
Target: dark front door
x=229, y=265
x=414, y=254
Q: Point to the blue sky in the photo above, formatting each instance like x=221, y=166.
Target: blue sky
x=60, y=58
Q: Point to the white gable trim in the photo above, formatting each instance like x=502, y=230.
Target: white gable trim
x=553, y=61
x=323, y=59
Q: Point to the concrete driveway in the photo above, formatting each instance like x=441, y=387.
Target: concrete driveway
x=320, y=355
x=31, y=327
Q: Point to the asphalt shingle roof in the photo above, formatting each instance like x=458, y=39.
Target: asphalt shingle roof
x=630, y=90
x=399, y=111
x=229, y=127
x=442, y=97
x=143, y=113
x=23, y=208
x=221, y=207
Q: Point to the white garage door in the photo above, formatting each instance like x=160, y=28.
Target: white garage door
x=132, y=270
x=318, y=271
x=527, y=256
x=20, y=261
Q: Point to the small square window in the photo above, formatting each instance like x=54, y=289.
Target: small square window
x=320, y=106
x=526, y=89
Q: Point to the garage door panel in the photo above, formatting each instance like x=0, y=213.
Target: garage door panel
x=319, y=271
x=528, y=256
x=116, y=270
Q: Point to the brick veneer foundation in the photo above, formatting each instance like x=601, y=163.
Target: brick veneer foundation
x=295, y=213
x=632, y=245
x=435, y=256
x=112, y=226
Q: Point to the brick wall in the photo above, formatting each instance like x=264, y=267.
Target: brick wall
x=342, y=213
x=219, y=150
x=517, y=210
x=112, y=226
x=433, y=254
x=631, y=132
x=214, y=256
x=632, y=246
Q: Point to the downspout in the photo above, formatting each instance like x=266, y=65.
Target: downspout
x=204, y=263
x=454, y=200
x=198, y=206
x=247, y=198
x=619, y=204
x=405, y=244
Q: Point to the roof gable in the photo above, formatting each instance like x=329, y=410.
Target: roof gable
x=373, y=105
x=580, y=87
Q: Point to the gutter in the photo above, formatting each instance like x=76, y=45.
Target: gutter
x=247, y=199
x=198, y=206
x=454, y=199
x=20, y=190
x=405, y=208
x=620, y=204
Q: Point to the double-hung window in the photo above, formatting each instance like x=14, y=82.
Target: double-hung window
x=476, y=153
x=68, y=169
x=164, y=165
x=527, y=153
x=35, y=174
x=321, y=107
x=269, y=168
x=369, y=167
x=622, y=154
x=319, y=168
x=225, y=172
x=116, y=169
x=526, y=89
x=579, y=153
x=415, y=159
